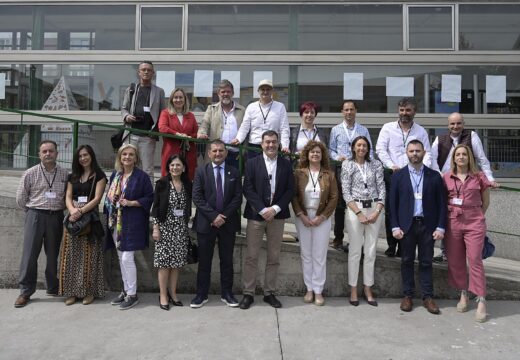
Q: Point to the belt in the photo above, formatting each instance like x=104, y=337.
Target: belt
x=360, y=200
x=45, y=211
x=418, y=218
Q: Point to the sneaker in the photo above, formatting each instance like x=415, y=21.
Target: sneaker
x=198, y=302
x=440, y=259
x=130, y=302
x=119, y=299
x=229, y=300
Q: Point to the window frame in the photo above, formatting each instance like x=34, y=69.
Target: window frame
x=184, y=15
x=406, y=26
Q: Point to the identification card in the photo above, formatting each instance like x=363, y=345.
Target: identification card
x=457, y=201
x=82, y=199
x=146, y=109
x=178, y=212
x=417, y=196
x=315, y=195
x=50, y=195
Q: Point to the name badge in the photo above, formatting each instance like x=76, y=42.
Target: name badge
x=146, y=109
x=457, y=201
x=178, y=212
x=315, y=195
x=417, y=196
x=50, y=195
x=82, y=199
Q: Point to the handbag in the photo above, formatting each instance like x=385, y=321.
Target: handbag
x=488, y=249
x=193, y=252
x=82, y=226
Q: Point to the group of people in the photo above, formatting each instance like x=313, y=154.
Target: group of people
x=404, y=185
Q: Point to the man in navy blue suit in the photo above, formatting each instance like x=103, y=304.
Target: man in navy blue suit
x=268, y=188
x=217, y=194
x=418, y=218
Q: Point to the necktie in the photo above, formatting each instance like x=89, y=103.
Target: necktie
x=220, y=193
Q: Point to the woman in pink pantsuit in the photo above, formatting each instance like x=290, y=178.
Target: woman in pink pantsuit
x=468, y=200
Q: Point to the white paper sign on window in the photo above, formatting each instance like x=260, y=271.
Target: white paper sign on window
x=234, y=78
x=399, y=86
x=203, y=83
x=2, y=85
x=259, y=76
x=451, y=88
x=166, y=81
x=353, y=86
x=495, y=89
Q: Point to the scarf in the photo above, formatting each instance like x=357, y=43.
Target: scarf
x=115, y=212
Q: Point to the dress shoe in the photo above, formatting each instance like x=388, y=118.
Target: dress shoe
x=87, y=300
x=390, y=252
x=21, y=301
x=246, y=302
x=229, y=300
x=430, y=305
x=174, y=302
x=198, y=301
x=319, y=300
x=51, y=292
x=70, y=300
x=370, y=302
x=440, y=259
x=354, y=302
x=273, y=301
x=407, y=304
x=163, y=307
x=308, y=297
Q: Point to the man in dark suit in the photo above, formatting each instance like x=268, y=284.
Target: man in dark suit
x=268, y=188
x=418, y=218
x=217, y=194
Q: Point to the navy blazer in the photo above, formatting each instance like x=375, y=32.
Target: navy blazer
x=257, y=188
x=433, y=200
x=205, y=197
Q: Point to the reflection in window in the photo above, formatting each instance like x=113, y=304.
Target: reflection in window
x=82, y=40
x=161, y=27
x=430, y=27
x=489, y=27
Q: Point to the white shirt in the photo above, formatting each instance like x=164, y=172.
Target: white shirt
x=478, y=152
x=392, y=141
x=260, y=118
x=270, y=165
x=304, y=136
x=229, y=127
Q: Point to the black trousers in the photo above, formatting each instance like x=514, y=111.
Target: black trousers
x=390, y=240
x=226, y=245
x=339, y=214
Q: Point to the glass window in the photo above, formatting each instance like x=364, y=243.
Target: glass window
x=295, y=27
x=161, y=27
x=349, y=27
x=59, y=27
x=489, y=27
x=430, y=27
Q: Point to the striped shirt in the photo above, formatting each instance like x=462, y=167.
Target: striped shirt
x=41, y=189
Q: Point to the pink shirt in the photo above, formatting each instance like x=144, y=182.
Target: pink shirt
x=470, y=191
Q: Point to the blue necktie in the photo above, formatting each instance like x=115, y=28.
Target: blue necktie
x=220, y=193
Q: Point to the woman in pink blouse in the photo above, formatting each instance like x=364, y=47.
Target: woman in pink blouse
x=468, y=200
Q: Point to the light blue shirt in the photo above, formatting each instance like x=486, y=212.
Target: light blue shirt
x=340, y=143
x=417, y=179
x=222, y=172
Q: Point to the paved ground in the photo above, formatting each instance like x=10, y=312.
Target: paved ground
x=47, y=329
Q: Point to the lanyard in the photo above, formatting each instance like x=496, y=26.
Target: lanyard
x=314, y=183
x=45, y=177
x=310, y=131
x=349, y=136
x=405, y=139
x=363, y=170
x=457, y=189
x=268, y=111
x=417, y=184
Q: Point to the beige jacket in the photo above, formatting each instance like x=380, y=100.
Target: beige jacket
x=212, y=124
x=328, y=189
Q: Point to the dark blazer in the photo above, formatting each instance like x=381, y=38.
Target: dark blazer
x=433, y=200
x=161, y=199
x=205, y=197
x=156, y=104
x=135, y=231
x=257, y=188
x=321, y=132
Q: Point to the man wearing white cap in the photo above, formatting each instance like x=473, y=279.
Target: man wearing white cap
x=262, y=115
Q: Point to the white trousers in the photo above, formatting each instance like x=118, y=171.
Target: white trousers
x=146, y=147
x=128, y=271
x=362, y=236
x=314, y=242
